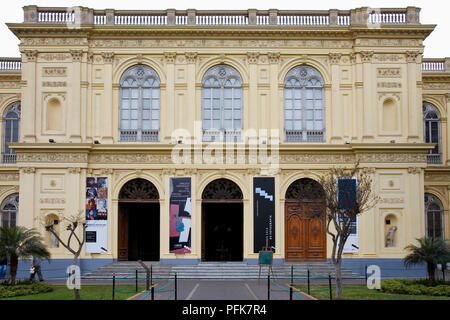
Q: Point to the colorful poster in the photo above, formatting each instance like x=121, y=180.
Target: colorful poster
x=96, y=214
x=263, y=213
x=180, y=215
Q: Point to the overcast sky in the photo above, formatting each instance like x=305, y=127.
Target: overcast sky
x=437, y=45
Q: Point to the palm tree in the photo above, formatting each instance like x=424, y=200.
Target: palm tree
x=431, y=251
x=21, y=243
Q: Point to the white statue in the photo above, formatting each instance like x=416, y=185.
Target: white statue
x=390, y=237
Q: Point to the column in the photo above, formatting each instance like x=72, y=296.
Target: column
x=414, y=96
x=369, y=117
x=74, y=105
x=337, y=109
x=28, y=113
x=274, y=107
x=191, y=58
x=169, y=110
x=251, y=109
x=28, y=209
x=107, y=120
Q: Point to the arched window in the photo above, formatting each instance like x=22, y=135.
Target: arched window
x=432, y=131
x=139, y=105
x=433, y=216
x=222, y=104
x=11, y=122
x=304, y=105
x=10, y=208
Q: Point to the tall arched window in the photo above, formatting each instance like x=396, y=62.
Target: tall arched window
x=10, y=208
x=304, y=105
x=11, y=123
x=139, y=105
x=222, y=104
x=432, y=131
x=433, y=216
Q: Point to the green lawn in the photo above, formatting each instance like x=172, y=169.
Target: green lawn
x=87, y=292
x=361, y=292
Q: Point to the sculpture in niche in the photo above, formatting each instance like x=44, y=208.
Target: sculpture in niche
x=390, y=237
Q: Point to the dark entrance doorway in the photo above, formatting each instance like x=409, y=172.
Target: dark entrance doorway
x=139, y=221
x=223, y=231
x=305, y=238
x=222, y=222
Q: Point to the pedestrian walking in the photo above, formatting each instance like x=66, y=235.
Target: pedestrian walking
x=36, y=268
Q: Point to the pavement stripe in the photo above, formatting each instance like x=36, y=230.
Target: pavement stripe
x=192, y=292
x=251, y=292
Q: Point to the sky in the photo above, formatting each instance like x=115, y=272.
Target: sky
x=437, y=45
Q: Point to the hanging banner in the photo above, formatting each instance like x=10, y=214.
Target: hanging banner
x=180, y=215
x=347, y=199
x=96, y=215
x=263, y=213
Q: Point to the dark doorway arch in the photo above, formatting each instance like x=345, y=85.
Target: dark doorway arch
x=222, y=221
x=139, y=221
x=305, y=237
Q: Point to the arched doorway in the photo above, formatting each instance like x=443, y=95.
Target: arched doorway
x=305, y=238
x=222, y=221
x=139, y=221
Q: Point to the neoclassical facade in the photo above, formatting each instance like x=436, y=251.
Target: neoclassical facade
x=183, y=134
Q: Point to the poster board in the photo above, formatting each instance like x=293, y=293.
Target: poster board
x=265, y=258
x=180, y=216
x=96, y=213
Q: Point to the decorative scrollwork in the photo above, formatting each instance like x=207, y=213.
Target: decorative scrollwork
x=138, y=189
x=305, y=189
x=222, y=189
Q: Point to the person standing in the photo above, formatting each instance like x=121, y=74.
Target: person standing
x=36, y=268
x=3, y=266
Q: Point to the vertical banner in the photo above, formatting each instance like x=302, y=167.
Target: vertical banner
x=263, y=213
x=180, y=215
x=96, y=215
x=347, y=199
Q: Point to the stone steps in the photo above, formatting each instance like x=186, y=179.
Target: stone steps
x=215, y=270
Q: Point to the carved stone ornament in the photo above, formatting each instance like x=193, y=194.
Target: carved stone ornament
x=222, y=189
x=77, y=55
x=366, y=56
x=138, y=189
x=170, y=57
x=108, y=57
x=274, y=57
x=191, y=57
x=335, y=57
x=252, y=57
x=31, y=55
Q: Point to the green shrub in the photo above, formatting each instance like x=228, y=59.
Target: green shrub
x=23, y=289
x=416, y=287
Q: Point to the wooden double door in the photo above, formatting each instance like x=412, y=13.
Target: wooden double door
x=305, y=238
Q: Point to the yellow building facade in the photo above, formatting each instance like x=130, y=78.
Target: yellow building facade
x=138, y=98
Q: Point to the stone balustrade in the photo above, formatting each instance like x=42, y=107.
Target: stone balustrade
x=436, y=65
x=250, y=17
x=10, y=64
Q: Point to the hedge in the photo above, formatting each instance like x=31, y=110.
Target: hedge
x=23, y=289
x=416, y=287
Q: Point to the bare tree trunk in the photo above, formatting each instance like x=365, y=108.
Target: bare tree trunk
x=338, y=278
x=75, y=290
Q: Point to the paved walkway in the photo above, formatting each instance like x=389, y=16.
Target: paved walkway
x=222, y=290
